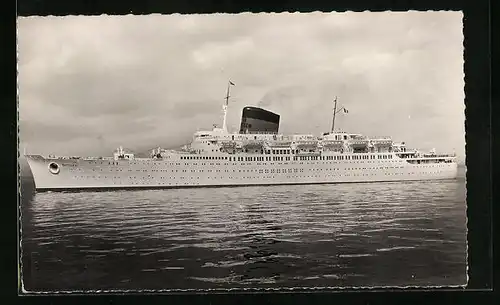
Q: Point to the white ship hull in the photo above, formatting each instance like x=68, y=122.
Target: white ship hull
x=79, y=174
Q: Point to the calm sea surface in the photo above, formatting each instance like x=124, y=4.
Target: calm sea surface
x=372, y=234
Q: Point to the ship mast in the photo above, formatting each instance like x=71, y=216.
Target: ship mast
x=335, y=111
x=224, y=107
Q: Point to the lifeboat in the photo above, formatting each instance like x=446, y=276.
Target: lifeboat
x=253, y=144
x=279, y=143
x=228, y=144
x=359, y=143
x=306, y=143
x=332, y=143
x=386, y=141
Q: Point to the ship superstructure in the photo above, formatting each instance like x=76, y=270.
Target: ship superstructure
x=257, y=155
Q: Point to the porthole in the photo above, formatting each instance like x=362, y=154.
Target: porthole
x=54, y=168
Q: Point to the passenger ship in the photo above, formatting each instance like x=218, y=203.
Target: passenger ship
x=256, y=155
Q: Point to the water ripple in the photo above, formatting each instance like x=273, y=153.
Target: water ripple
x=315, y=235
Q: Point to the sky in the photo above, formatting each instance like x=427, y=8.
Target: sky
x=88, y=84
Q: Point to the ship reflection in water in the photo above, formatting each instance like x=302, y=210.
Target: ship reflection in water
x=345, y=235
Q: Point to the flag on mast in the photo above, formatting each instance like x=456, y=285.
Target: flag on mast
x=227, y=95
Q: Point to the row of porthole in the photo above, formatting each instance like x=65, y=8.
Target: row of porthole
x=264, y=163
x=260, y=172
x=170, y=183
x=310, y=169
x=313, y=176
x=154, y=163
x=54, y=168
x=272, y=170
x=251, y=170
x=288, y=177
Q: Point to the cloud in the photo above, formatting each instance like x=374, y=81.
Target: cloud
x=88, y=84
